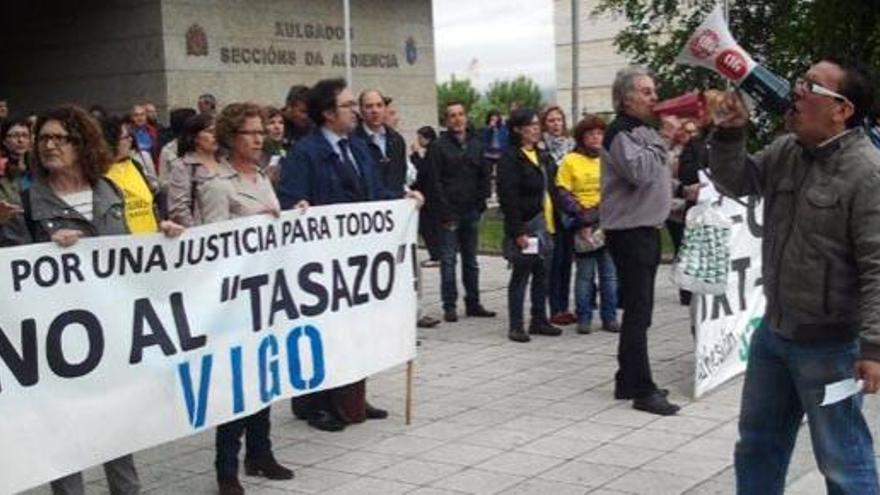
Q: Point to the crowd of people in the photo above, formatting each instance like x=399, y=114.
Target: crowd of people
x=592, y=198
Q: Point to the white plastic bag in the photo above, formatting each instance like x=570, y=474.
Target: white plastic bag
x=704, y=258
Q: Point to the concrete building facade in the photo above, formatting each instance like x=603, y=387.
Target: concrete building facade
x=597, y=58
x=118, y=52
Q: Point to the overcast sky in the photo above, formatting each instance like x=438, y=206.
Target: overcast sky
x=505, y=37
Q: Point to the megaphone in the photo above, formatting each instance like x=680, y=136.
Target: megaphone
x=687, y=106
x=712, y=46
x=695, y=105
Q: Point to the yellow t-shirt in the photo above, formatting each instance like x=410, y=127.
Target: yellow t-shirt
x=582, y=176
x=139, y=214
x=532, y=155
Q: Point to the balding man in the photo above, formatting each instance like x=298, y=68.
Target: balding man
x=386, y=145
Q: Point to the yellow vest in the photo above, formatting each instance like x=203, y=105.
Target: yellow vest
x=581, y=176
x=139, y=215
x=532, y=155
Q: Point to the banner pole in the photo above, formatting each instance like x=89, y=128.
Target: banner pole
x=409, y=391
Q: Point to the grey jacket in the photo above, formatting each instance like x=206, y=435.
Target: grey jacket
x=821, y=244
x=49, y=213
x=188, y=181
x=636, y=183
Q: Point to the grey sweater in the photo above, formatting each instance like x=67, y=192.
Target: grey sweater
x=636, y=183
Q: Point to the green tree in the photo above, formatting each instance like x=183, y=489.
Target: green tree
x=455, y=90
x=785, y=35
x=520, y=92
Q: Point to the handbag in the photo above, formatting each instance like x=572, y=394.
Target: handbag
x=594, y=242
x=704, y=258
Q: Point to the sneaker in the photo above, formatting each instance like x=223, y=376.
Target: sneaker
x=518, y=335
x=427, y=322
x=544, y=328
x=611, y=326
x=480, y=312
x=585, y=328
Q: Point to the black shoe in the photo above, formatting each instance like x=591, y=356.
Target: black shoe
x=450, y=316
x=299, y=408
x=655, y=403
x=611, y=326
x=544, y=328
x=664, y=392
x=324, y=421
x=480, y=312
x=518, y=335
x=427, y=322
x=267, y=467
x=375, y=412
x=230, y=487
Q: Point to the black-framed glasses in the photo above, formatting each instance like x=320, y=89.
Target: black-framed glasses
x=58, y=139
x=19, y=135
x=818, y=89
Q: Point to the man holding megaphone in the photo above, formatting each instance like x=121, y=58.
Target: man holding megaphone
x=821, y=273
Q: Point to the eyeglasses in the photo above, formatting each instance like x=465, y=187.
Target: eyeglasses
x=251, y=133
x=18, y=135
x=58, y=139
x=818, y=89
x=349, y=105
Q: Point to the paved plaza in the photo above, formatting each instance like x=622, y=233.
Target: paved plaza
x=493, y=416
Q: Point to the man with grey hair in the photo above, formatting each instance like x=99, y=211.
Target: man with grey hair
x=636, y=199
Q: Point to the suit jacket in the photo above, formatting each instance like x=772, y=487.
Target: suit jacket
x=311, y=173
x=392, y=165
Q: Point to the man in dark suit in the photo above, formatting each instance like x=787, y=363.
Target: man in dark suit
x=328, y=166
x=385, y=144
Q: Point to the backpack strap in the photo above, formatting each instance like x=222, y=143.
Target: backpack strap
x=33, y=227
x=193, y=187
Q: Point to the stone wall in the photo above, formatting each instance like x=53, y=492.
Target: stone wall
x=257, y=49
x=117, y=52
x=108, y=52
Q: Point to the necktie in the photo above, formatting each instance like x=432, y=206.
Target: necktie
x=349, y=172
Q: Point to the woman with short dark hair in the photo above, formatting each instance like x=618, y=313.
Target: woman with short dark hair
x=15, y=149
x=579, y=193
x=196, y=166
x=274, y=149
x=525, y=182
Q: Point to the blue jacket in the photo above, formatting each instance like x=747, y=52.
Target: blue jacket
x=309, y=172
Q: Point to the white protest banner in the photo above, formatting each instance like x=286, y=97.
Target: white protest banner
x=724, y=324
x=123, y=343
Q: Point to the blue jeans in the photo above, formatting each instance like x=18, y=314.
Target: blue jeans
x=462, y=238
x=785, y=380
x=587, y=266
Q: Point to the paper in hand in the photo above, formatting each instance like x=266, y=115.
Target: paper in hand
x=844, y=389
x=531, y=247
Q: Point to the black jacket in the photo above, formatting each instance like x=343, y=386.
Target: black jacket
x=461, y=176
x=521, y=188
x=392, y=164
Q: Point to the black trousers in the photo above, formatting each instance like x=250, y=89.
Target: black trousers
x=636, y=255
x=429, y=229
x=228, y=442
